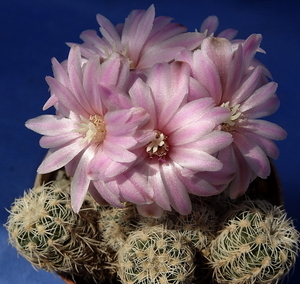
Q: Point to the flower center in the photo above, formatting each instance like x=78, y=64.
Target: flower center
x=158, y=146
x=92, y=129
x=229, y=124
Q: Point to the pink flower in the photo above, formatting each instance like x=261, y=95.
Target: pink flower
x=94, y=120
x=210, y=25
x=144, y=39
x=228, y=73
x=183, y=143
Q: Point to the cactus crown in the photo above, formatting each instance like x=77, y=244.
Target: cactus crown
x=258, y=244
x=46, y=231
x=155, y=255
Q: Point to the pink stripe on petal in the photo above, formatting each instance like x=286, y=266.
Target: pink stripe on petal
x=135, y=33
x=247, y=87
x=260, y=96
x=50, y=125
x=253, y=154
x=177, y=192
x=214, y=142
x=265, y=109
x=58, y=140
x=199, y=186
x=65, y=96
x=60, y=157
x=209, y=25
x=114, y=169
x=131, y=193
x=140, y=94
x=108, y=31
x=189, y=113
x=60, y=73
x=250, y=47
x=243, y=173
x=159, y=191
x=194, y=159
x=109, y=192
x=80, y=182
x=207, y=75
x=191, y=132
x=268, y=146
x=264, y=128
x=180, y=76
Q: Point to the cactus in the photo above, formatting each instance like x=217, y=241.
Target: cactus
x=197, y=228
x=155, y=255
x=258, y=244
x=44, y=229
x=115, y=224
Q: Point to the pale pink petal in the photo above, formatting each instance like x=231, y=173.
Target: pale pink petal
x=214, y=142
x=268, y=146
x=250, y=47
x=191, y=132
x=243, y=173
x=247, y=87
x=209, y=25
x=59, y=140
x=228, y=34
x=264, y=128
x=118, y=153
x=253, y=155
x=207, y=75
x=140, y=94
x=65, y=96
x=178, y=91
x=132, y=193
x=108, y=31
x=177, y=192
x=156, y=183
x=199, y=186
x=194, y=159
x=109, y=191
x=260, y=96
x=50, y=125
x=265, y=109
x=183, y=117
x=57, y=159
x=136, y=31
x=235, y=73
x=80, y=182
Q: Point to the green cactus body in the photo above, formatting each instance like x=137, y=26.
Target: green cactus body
x=258, y=244
x=155, y=255
x=44, y=229
x=115, y=224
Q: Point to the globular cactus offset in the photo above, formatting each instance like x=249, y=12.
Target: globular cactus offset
x=155, y=255
x=44, y=229
x=258, y=244
x=115, y=224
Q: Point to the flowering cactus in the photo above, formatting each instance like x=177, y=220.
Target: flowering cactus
x=257, y=244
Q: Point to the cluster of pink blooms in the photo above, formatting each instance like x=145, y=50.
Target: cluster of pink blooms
x=150, y=113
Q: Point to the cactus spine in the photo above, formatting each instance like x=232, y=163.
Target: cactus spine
x=45, y=230
x=258, y=244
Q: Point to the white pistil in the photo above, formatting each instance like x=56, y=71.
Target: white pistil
x=158, y=146
x=93, y=129
x=235, y=114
